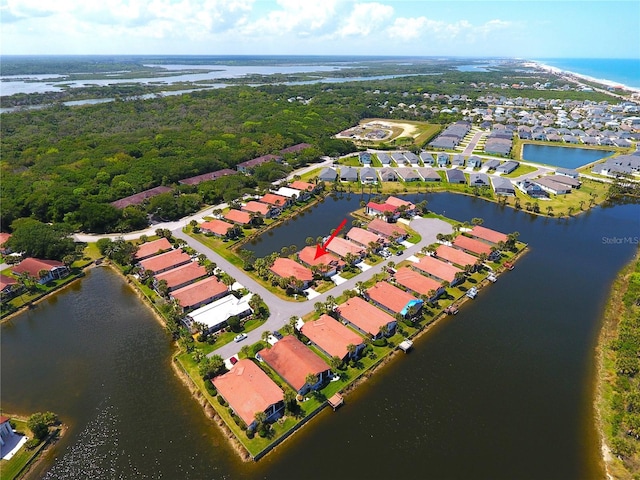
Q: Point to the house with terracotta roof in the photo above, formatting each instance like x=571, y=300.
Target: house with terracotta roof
x=455, y=256
x=165, y=261
x=306, y=189
x=392, y=231
x=238, y=217
x=378, y=210
x=8, y=286
x=249, y=390
x=363, y=237
x=206, y=177
x=219, y=228
x=398, y=202
x=287, y=268
x=488, y=235
x=366, y=318
x=333, y=338
x=4, y=237
x=394, y=300
x=472, y=245
x=155, y=247
x=181, y=276
x=140, y=198
x=275, y=200
x=328, y=264
x=418, y=283
x=438, y=269
x=43, y=270
x=342, y=247
x=260, y=208
x=294, y=361
x=255, y=162
x=199, y=293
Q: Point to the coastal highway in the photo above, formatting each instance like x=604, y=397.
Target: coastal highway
x=281, y=310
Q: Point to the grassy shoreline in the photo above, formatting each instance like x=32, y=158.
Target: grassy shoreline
x=620, y=451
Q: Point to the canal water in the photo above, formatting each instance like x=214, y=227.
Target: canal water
x=502, y=390
x=564, y=157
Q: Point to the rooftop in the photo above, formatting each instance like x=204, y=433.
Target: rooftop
x=172, y=258
x=415, y=281
x=238, y=216
x=285, y=268
x=199, y=292
x=342, y=247
x=219, y=227
x=472, y=245
x=455, y=256
x=181, y=275
x=293, y=361
x=308, y=256
x=390, y=296
x=302, y=186
x=364, y=237
x=489, y=235
x=273, y=199
x=248, y=390
x=207, y=176
x=33, y=266
x=387, y=229
x=139, y=198
x=256, y=207
x=437, y=268
x=152, y=248
x=330, y=335
x=365, y=316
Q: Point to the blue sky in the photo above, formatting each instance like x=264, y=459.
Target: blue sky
x=542, y=29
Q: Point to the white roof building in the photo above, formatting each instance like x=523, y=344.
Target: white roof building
x=216, y=313
x=288, y=192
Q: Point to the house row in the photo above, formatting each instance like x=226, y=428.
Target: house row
x=249, y=165
x=620, y=165
x=541, y=187
x=451, y=136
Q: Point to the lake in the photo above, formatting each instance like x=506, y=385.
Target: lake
x=565, y=157
x=502, y=390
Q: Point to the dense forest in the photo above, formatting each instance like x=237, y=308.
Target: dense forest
x=66, y=164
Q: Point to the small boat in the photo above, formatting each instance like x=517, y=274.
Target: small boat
x=492, y=277
x=508, y=265
x=472, y=292
x=451, y=310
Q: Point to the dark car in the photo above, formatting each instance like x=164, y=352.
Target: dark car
x=277, y=334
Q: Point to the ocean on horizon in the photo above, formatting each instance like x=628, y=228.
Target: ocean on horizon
x=625, y=71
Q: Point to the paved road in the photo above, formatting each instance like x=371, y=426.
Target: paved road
x=472, y=144
x=281, y=310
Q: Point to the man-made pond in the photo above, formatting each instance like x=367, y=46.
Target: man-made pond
x=503, y=390
x=565, y=157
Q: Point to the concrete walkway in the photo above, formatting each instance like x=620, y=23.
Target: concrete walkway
x=281, y=310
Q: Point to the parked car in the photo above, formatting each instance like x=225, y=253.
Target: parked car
x=277, y=334
x=239, y=337
x=233, y=360
x=399, y=252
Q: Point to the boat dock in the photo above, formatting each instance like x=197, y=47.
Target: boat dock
x=335, y=401
x=405, y=345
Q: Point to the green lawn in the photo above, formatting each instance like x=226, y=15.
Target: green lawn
x=521, y=170
x=10, y=469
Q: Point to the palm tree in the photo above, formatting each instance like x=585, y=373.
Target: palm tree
x=330, y=303
x=309, y=241
x=391, y=264
x=570, y=210
x=384, y=330
x=311, y=379
x=351, y=348
x=245, y=351
x=319, y=307
x=335, y=362
x=265, y=335
x=360, y=287
x=549, y=210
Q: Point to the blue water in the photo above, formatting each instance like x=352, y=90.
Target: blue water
x=565, y=157
x=623, y=70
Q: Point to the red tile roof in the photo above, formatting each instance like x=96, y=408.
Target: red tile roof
x=164, y=261
x=390, y=296
x=341, y=247
x=295, y=148
x=139, y=198
x=207, y=176
x=437, y=268
x=331, y=336
x=199, y=292
x=236, y=216
x=285, y=268
x=256, y=207
x=216, y=226
x=293, y=361
x=4, y=237
x=4, y=419
x=33, y=266
x=415, y=281
x=391, y=230
x=248, y=390
x=363, y=237
x=455, y=256
x=472, y=245
x=307, y=255
x=254, y=162
x=152, y=248
x=363, y=315
x=183, y=274
x=273, y=199
x=381, y=207
x=398, y=202
x=6, y=281
x=299, y=185
x=489, y=235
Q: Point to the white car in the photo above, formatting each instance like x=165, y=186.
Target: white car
x=239, y=337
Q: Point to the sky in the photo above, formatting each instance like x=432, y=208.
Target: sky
x=507, y=28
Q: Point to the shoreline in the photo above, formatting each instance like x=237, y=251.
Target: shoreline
x=569, y=74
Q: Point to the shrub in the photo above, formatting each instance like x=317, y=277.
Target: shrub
x=250, y=433
x=222, y=401
x=210, y=388
x=380, y=342
x=31, y=444
x=257, y=347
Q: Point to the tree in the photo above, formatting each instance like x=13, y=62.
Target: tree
x=477, y=221
x=37, y=423
x=311, y=379
x=351, y=348
x=290, y=404
x=234, y=323
x=309, y=241
x=265, y=335
x=335, y=362
x=40, y=240
x=212, y=366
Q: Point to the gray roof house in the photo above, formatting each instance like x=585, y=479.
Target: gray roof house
x=445, y=142
x=443, y=159
x=328, y=175
x=572, y=182
x=384, y=158
x=348, y=174
x=491, y=164
x=365, y=158
x=502, y=186
x=479, y=180
x=387, y=175
x=474, y=162
x=412, y=157
x=426, y=158
x=408, y=174
x=568, y=172
x=456, y=176
x=507, y=167
x=368, y=175
x=534, y=190
x=429, y=174
x=399, y=158
x=457, y=160
x=549, y=185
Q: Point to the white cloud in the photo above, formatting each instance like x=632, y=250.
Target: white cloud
x=365, y=19
x=406, y=29
x=300, y=17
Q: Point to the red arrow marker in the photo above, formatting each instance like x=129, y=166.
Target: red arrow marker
x=322, y=249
